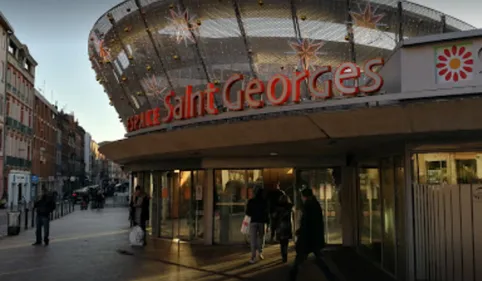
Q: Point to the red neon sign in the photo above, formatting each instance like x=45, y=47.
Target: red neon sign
x=200, y=103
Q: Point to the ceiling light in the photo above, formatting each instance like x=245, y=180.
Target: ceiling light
x=273, y=154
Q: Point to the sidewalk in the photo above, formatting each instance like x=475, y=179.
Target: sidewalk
x=93, y=245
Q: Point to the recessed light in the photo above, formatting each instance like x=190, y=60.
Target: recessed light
x=273, y=154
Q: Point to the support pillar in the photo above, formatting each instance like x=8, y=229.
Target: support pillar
x=409, y=219
x=349, y=205
x=208, y=208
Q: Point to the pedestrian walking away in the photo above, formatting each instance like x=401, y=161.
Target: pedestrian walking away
x=257, y=209
x=284, y=232
x=310, y=236
x=44, y=208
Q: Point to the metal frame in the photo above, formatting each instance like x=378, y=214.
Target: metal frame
x=249, y=52
x=154, y=45
x=131, y=62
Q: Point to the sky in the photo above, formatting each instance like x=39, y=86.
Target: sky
x=56, y=32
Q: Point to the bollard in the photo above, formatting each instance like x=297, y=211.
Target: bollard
x=62, y=209
x=33, y=219
x=26, y=219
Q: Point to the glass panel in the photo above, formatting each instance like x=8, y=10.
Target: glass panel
x=200, y=182
x=166, y=205
x=370, y=223
x=183, y=202
x=322, y=182
x=388, y=194
x=231, y=192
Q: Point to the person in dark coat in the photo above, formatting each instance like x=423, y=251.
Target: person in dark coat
x=44, y=207
x=140, y=209
x=274, y=196
x=257, y=209
x=311, y=235
x=284, y=231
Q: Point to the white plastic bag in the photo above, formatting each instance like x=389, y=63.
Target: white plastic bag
x=245, y=225
x=136, y=236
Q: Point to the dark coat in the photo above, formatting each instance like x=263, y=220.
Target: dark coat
x=283, y=216
x=45, y=205
x=311, y=234
x=257, y=209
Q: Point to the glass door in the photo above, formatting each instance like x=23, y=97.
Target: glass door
x=370, y=212
x=327, y=191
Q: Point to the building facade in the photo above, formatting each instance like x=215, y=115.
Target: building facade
x=373, y=105
x=88, y=158
x=44, y=157
x=5, y=31
x=69, y=151
x=20, y=94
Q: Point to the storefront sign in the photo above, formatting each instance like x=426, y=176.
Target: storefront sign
x=200, y=103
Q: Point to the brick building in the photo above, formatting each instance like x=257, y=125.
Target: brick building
x=20, y=81
x=45, y=142
x=72, y=152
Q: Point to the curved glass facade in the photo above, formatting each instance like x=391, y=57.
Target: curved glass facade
x=143, y=49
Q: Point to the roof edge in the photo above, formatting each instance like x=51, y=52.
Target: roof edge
x=442, y=37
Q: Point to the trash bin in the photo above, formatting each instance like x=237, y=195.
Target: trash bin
x=13, y=223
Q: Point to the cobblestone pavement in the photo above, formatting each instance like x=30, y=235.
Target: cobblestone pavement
x=93, y=245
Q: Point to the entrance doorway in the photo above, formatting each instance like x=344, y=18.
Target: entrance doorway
x=326, y=185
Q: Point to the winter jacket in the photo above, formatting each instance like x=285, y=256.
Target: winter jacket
x=311, y=234
x=45, y=205
x=283, y=216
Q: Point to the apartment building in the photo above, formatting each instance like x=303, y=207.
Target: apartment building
x=5, y=31
x=44, y=143
x=20, y=81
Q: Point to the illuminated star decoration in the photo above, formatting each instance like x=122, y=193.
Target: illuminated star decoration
x=104, y=52
x=184, y=25
x=306, y=50
x=368, y=17
x=153, y=87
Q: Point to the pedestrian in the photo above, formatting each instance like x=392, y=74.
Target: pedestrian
x=274, y=196
x=140, y=210
x=284, y=231
x=44, y=207
x=257, y=209
x=310, y=235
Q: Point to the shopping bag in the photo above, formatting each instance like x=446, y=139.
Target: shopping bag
x=136, y=236
x=245, y=225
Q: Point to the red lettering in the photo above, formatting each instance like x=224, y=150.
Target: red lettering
x=285, y=93
x=299, y=77
x=347, y=71
x=192, y=105
x=169, y=107
x=148, y=118
x=239, y=104
x=325, y=92
x=376, y=79
x=211, y=105
x=179, y=108
x=254, y=87
x=156, y=116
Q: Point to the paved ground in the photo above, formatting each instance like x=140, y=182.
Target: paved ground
x=92, y=245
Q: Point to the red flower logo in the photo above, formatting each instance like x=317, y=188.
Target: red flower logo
x=454, y=64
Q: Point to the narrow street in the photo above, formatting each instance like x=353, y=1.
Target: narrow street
x=93, y=245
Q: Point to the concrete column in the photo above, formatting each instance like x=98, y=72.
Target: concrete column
x=208, y=206
x=349, y=205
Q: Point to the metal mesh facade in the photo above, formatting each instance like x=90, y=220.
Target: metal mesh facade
x=142, y=49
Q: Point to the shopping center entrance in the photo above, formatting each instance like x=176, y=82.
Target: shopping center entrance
x=235, y=187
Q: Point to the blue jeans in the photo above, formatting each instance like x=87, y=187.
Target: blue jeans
x=256, y=233
x=42, y=221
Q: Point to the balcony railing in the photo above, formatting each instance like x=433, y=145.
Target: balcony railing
x=18, y=162
x=16, y=125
